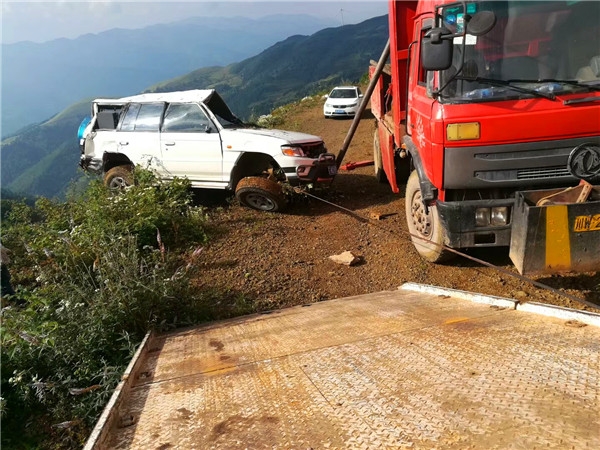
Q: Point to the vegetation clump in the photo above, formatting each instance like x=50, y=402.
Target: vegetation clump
x=92, y=276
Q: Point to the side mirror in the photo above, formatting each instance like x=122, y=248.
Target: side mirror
x=436, y=49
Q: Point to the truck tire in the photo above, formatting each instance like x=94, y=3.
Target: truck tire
x=426, y=226
x=261, y=194
x=118, y=178
x=378, y=160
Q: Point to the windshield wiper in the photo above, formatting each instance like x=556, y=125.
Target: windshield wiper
x=570, y=83
x=508, y=84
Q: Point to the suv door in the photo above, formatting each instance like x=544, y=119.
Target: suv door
x=138, y=136
x=191, y=144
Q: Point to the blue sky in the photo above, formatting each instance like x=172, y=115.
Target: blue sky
x=41, y=21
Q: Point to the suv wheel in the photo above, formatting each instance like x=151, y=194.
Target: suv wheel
x=118, y=178
x=260, y=193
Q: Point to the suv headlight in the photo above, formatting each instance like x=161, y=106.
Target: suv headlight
x=292, y=150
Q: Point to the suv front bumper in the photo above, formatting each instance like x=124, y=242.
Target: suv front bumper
x=90, y=164
x=322, y=170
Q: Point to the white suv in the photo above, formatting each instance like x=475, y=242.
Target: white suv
x=193, y=134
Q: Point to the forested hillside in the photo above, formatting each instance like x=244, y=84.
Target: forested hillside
x=289, y=70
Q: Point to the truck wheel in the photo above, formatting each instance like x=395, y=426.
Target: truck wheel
x=425, y=225
x=261, y=194
x=118, y=178
x=378, y=160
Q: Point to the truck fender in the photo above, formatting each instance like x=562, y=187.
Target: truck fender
x=428, y=190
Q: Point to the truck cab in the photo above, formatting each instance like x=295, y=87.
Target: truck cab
x=484, y=99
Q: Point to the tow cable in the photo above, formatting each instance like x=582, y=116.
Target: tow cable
x=459, y=253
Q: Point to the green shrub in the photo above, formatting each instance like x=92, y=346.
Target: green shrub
x=94, y=275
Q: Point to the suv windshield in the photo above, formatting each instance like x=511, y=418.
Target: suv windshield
x=535, y=49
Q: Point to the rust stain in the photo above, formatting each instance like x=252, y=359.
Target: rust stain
x=457, y=320
x=216, y=344
x=185, y=413
x=238, y=422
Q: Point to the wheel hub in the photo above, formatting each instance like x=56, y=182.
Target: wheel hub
x=420, y=218
x=260, y=202
x=118, y=183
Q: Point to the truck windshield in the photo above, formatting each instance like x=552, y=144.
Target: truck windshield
x=536, y=49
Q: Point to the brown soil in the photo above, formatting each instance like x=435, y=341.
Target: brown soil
x=277, y=260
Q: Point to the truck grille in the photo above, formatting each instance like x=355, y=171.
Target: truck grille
x=542, y=172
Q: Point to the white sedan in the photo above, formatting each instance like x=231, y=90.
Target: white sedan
x=342, y=101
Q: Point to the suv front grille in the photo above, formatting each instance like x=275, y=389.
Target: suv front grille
x=313, y=149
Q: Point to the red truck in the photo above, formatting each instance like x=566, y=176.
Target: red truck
x=482, y=100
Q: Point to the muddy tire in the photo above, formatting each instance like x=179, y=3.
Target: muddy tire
x=261, y=194
x=118, y=178
x=378, y=160
x=425, y=225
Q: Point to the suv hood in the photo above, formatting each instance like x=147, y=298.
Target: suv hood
x=291, y=137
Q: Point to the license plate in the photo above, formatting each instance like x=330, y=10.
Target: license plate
x=332, y=170
x=339, y=111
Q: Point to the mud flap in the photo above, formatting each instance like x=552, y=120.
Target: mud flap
x=561, y=236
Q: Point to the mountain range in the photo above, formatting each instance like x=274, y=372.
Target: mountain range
x=39, y=80
x=41, y=160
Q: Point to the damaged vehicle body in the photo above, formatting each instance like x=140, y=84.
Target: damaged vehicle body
x=193, y=134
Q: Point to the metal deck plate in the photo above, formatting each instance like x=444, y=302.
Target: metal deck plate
x=389, y=370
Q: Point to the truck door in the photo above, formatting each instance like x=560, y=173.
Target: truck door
x=421, y=101
x=191, y=144
x=138, y=137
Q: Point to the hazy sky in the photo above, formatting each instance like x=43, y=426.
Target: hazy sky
x=40, y=21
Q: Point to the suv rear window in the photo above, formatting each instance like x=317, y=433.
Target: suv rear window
x=143, y=117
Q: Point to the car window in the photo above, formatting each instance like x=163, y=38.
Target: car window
x=148, y=118
x=185, y=118
x=130, y=116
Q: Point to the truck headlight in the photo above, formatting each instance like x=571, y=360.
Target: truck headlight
x=482, y=217
x=496, y=216
x=499, y=216
x=292, y=150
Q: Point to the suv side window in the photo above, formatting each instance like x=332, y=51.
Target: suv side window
x=130, y=116
x=185, y=118
x=142, y=117
x=148, y=118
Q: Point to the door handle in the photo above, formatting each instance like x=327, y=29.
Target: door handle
x=123, y=143
x=169, y=144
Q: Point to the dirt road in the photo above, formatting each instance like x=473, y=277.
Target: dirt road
x=277, y=260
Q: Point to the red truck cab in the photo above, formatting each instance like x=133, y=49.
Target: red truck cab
x=483, y=99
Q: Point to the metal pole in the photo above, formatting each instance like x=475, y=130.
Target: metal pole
x=363, y=104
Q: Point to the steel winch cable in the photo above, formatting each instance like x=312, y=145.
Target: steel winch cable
x=457, y=252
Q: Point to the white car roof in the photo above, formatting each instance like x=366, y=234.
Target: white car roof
x=194, y=95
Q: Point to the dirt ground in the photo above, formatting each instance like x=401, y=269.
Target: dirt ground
x=277, y=260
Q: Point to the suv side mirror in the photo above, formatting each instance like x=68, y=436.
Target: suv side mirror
x=436, y=49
